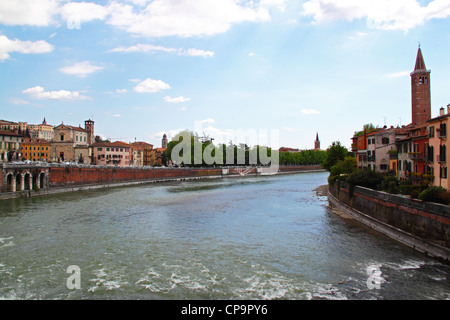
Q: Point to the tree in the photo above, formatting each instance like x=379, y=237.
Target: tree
x=335, y=153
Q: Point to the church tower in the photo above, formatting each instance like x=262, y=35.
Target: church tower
x=164, y=141
x=89, y=127
x=420, y=92
x=317, y=142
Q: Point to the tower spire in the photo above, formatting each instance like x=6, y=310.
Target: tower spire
x=420, y=62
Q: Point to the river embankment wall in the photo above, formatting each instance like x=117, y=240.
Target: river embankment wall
x=423, y=226
x=32, y=180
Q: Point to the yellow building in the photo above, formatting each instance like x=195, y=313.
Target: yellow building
x=438, y=153
x=36, y=150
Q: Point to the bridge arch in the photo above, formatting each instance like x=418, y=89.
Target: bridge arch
x=10, y=183
x=41, y=180
x=19, y=180
x=27, y=181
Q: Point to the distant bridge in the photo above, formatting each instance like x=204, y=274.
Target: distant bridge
x=15, y=178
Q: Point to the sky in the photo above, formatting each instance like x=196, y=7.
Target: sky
x=283, y=69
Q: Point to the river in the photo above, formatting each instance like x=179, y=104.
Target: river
x=265, y=237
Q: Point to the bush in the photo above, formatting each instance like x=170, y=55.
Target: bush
x=368, y=178
x=434, y=194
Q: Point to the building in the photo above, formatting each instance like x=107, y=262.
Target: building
x=164, y=142
x=420, y=92
x=10, y=144
x=41, y=131
x=137, y=155
x=18, y=127
x=317, y=142
x=438, y=148
x=70, y=144
x=112, y=153
x=36, y=150
x=284, y=149
x=148, y=153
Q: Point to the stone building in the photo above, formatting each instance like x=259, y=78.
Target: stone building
x=70, y=144
x=41, y=131
x=10, y=143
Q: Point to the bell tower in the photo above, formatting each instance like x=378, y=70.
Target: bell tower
x=89, y=127
x=420, y=92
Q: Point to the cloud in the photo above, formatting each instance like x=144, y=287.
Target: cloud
x=121, y=91
x=38, y=92
x=148, y=48
x=309, y=111
x=75, y=13
x=81, y=69
x=28, y=12
x=209, y=120
x=381, y=14
x=176, y=100
x=184, y=18
x=26, y=47
x=397, y=74
x=17, y=101
x=292, y=129
x=151, y=86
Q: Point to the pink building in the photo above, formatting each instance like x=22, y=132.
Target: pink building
x=111, y=153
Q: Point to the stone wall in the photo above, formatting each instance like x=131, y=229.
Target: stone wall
x=428, y=221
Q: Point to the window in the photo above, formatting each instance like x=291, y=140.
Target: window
x=99, y=149
x=443, y=131
x=432, y=132
x=62, y=137
x=443, y=172
x=383, y=166
x=385, y=140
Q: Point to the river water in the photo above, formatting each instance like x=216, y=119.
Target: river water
x=234, y=238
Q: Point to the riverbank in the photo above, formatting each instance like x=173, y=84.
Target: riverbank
x=424, y=227
x=61, y=179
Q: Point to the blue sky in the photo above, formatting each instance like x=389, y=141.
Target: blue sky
x=288, y=68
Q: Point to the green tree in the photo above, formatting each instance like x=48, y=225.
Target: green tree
x=335, y=153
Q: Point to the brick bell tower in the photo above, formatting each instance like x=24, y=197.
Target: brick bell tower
x=420, y=92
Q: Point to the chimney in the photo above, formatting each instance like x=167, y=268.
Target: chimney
x=441, y=111
x=448, y=109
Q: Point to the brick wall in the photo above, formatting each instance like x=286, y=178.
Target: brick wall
x=68, y=176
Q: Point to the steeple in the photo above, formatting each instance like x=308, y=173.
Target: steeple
x=420, y=91
x=317, y=142
x=420, y=63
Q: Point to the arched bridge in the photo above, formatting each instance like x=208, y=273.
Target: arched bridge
x=22, y=177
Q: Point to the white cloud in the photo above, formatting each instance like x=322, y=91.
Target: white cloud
x=17, y=101
x=39, y=93
x=81, y=69
x=143, y=48
x=121, y=91
x=196, y=53
x=27, y=47
x=151, y=86
x=309, y=111
x=183, y=18
x=209, y=120
x=28, y=12
x=280, y=4
x=381, y=14
x=397, y=74
x=176, y=100
x=292, y=129
x=75, y=13
x=148, y=48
